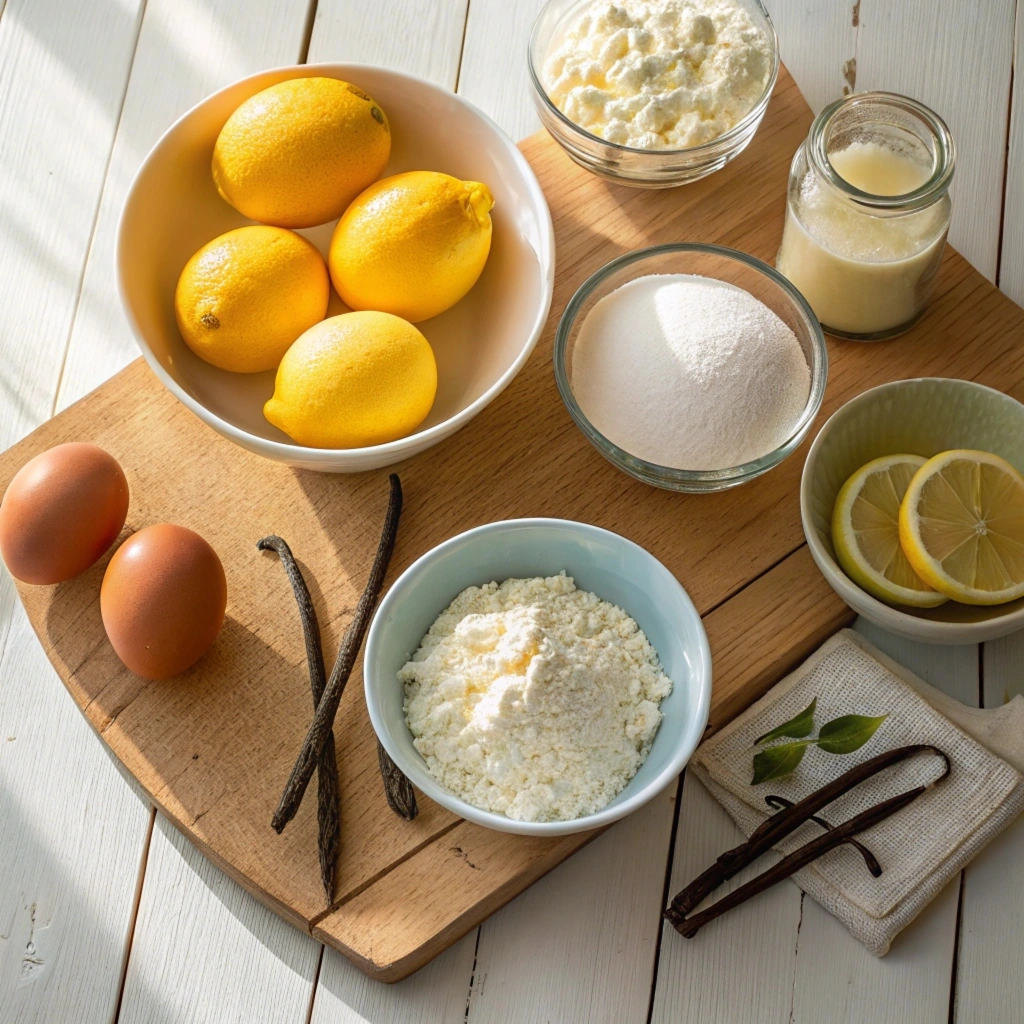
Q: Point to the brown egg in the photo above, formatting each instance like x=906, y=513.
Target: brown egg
x=61, y=512
x=163, y=600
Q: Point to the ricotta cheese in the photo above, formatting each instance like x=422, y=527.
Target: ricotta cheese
x=534, y=699
x=659, y=74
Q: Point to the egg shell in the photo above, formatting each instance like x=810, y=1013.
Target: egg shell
x=162, y=600
x=61, y=512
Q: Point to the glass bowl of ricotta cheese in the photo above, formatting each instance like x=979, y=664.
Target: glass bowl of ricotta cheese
x=653, y=93
x=691, y=367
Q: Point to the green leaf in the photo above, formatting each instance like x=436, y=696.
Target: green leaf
x=796, y=728
x=774, y=762
x=848, y=733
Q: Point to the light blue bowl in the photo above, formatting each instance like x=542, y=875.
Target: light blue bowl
x=615, y=569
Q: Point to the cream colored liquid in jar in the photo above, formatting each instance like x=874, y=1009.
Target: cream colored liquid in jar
x=863, y=271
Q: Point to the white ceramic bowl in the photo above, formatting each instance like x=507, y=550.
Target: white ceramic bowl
x=610, y=566
x=923, y=416
x=480, y=344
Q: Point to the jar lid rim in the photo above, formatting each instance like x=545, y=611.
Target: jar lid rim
x=925, y=194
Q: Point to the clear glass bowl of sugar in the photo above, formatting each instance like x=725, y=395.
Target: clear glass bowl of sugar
x=653, y=411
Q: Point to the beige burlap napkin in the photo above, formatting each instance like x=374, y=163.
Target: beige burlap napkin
x=921, y=847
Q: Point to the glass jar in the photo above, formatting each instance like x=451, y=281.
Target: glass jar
x=867, y=213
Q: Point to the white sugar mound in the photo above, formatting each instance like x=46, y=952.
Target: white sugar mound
x=689, y=372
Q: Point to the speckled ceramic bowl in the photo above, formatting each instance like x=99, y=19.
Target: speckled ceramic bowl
x=923, y=417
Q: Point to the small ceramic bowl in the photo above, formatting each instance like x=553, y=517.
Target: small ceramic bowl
x=480, y=344
x=721, y=264
x=922, y=417
x=615, y=569
x=642, y=168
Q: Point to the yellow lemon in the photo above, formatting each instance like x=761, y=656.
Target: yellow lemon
x=354, y=380
x=246, y=296
x=298, y=153
x=962, y=527
x=866, y=537
x=412, y=244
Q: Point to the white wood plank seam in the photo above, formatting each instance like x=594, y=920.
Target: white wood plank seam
x=462, y=46
x=472, y=972
x=320, y=959
x=799, y=920
x=140, y=882
x=666, y=893
x=958, y=935
x=1012, y=115
x=307, y=38
x=956, y=946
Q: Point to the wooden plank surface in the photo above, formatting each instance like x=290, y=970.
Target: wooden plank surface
x=421, y=37
x=989, y=983
x=614, y=887
x=185, y=961
x=812, y=37
x=436, y=995
x=818, y=43
x=494, y=73
x=742, y=970
x=752, y=635
x=72, y=831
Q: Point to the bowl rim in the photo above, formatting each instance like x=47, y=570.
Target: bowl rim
x=889, y=616
x=737, y=131
x=686, y=741
x=699, y=479
x=420, y=439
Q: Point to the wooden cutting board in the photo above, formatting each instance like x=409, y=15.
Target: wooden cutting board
x=212, y=748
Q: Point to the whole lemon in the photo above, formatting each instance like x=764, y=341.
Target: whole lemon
x=246, y=296
x=354, y=380
x=412, y=244
x=298, y=153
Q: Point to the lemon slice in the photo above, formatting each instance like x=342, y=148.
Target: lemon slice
x=962, y=527
x=866, y=535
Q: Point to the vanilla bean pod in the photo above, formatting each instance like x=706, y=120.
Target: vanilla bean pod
x=780, y=803
x=397, y=788
x=782, y=823
x=323, y=719
x=840, y=834
x=328, y=804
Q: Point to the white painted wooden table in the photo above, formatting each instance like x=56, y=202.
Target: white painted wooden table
x=105, y=912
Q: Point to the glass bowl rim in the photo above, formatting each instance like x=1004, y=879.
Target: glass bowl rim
x=651, y=472
x=752, y=117
x=925, y=194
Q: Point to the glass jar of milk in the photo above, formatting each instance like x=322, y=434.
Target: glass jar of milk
x=867, y=214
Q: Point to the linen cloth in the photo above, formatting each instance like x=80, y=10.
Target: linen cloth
x=922, y=846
